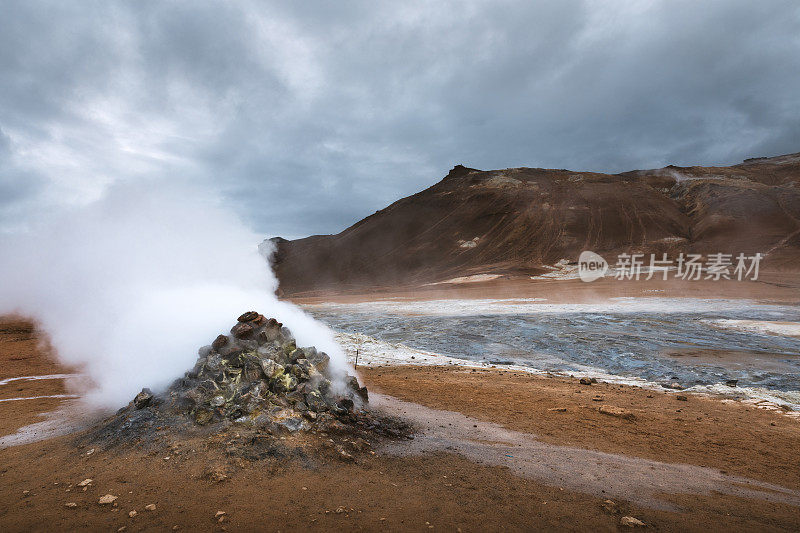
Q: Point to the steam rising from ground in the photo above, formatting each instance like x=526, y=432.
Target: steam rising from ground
x=130, y=286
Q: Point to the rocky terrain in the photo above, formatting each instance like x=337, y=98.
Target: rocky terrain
x=255, y=384
x=519, y=222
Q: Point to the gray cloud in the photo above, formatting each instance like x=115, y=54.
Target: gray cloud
x=308, y=117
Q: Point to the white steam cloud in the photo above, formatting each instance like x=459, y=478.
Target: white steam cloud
x=129, y=287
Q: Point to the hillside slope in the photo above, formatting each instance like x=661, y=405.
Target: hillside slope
x=519, y=221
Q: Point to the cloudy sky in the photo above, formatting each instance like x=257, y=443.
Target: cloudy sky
x=306, y=117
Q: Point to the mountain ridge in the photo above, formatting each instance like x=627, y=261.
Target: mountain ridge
x=521, y=221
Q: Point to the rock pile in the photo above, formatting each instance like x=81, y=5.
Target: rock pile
x=257, y=376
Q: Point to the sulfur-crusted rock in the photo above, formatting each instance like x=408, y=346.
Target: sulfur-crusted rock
x=271, y=368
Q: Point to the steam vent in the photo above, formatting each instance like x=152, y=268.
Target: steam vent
x=257, y=377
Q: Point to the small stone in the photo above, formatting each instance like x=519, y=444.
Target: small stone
x=293, y=424
x=585, y=381
x=352, y=384
x=85, y=483
x=363, y=393
x=296, y=354
x=286, y=383
x=598, y=398
x=248, y=316
x=344, y=456
x=346, y=404
x=231, y=351
x=271, y=369
x=359, y=444
x=610, y=507
x=219, y=342
x=107, y=499
x=617, y=412
x=217, y=476
x=217, y=401
x=315, y=401
x=70, y=505
x=176, y=527
x=133, y=513
x=221, y=513
x=121, y=529
x=629, y=521
x=681, y=398
x=143, y=399
x=150, y=507
x=731, y=382
x=558, y=409
x=248, y=345
x=25, y=492
x=242, y=330
x=321, y=360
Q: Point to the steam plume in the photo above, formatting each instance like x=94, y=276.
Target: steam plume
x=130, y=286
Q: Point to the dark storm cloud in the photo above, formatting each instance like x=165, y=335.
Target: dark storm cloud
x=308, y=117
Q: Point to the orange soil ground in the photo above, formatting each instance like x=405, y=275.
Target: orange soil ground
x=441, y=492
x=770, y=287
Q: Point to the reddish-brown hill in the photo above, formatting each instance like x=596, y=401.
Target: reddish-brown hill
x=517, y=221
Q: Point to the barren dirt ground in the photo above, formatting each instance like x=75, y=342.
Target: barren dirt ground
x=441, y=491
x=773, y=287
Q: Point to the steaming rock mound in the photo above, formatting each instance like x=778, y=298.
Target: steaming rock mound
x=255, y=380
